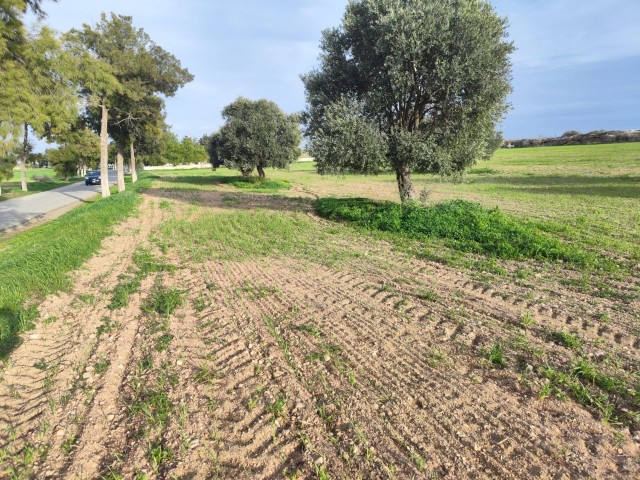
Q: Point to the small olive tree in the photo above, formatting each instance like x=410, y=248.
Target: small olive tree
x=408, y=85
x=257, y=135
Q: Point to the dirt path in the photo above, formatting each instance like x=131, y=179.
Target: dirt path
x=280, y=369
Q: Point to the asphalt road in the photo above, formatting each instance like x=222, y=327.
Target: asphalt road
x=21, y=211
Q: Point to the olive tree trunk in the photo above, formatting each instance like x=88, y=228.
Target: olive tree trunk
x=403, y=175
x=25, y=149
x=132, y=163
x=120, y=167
x=104, y=149
x=261, y=173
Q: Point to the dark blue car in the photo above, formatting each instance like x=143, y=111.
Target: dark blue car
x=92, y=178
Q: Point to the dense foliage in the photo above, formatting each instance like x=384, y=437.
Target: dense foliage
x=257, y=135
x=408, y=85
x=464, y=225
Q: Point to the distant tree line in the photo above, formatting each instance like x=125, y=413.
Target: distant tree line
x=573, y=137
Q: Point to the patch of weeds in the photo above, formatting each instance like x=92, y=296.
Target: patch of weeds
x=87, y=298
x=205, y=374
x=258, y=291
x=257, y=183
x=586, y=370
x=400, y=304
x=276, y=409
x=560, y=381
x=463, y=225
x=158, y=455
x=428, y=296
x=121, y=293
x=164, y=204
x=69, y=443
x=489, y=265
x=437, y=358
x=147, y=263
x=252, y=402
x=523, y=273
x=273, y=325
x=321, y=472
x=496, y=356
x=154, y=405
x=106, y=326
x=101, y=366
x=527, y=320
x=162, y=342
x=309, y=329
x=200, y=303
x=419, y=461
x=566, y=339
x=603, y=317
x=163, y=300
x=49, y=320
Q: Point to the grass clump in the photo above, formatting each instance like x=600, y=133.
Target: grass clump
x=463, y=225
x=164, y=301
x=257, y=183
x=566, y=339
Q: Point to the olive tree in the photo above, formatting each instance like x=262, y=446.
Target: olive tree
x=257, y=135
x=408, y=86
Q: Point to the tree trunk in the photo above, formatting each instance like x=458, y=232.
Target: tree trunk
x=403, y=175
x=120, y=166
x=245, y=172
x=104, y=150
x=261, y=173
x=132, y=163
x=23, y=167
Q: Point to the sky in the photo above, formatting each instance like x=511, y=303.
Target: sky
x=576, y=67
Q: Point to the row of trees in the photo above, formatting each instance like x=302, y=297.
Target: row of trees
x=79, y=89
x=403, y=86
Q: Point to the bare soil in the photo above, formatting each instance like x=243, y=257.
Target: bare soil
x=285, y=369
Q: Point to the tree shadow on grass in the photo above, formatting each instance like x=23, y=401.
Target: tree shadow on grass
x=598, y=186
x=233, y=200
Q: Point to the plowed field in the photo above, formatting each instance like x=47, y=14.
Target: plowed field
x=331, y=355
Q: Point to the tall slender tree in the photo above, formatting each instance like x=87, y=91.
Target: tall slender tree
x=39, y=91
x=143, y=69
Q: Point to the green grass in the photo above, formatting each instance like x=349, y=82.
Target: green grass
x=238, y=235
x=255, y=183
x=466, y=226
x=163, y=300
x=37, y=262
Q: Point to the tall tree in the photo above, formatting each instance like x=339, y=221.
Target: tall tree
x=408, y=85
x=12, y=32
x=41, y=98
x=257, y=135
x=211, y=143
x=143, y=69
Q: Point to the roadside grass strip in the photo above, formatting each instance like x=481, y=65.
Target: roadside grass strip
x=37, y=262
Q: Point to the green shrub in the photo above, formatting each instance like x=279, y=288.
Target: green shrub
x=464, y=225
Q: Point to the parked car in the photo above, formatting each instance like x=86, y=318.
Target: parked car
x=92, y=178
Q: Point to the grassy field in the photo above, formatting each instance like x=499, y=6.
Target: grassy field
x=294, y=329
x=12, y=188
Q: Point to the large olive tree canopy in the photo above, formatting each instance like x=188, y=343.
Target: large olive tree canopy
x=408, y=85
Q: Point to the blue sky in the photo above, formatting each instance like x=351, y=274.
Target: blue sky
x=576, y=66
